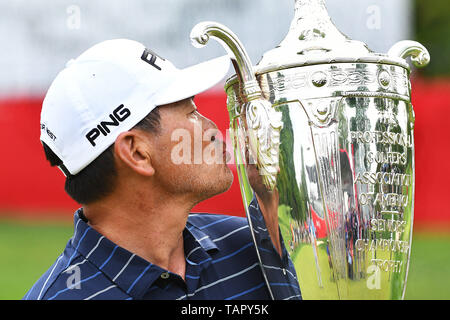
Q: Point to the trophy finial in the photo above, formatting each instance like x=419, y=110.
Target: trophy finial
x=312, y=36
x=312, y=23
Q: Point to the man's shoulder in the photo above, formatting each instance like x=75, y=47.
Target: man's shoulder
x=71, y=277
x=217, y=226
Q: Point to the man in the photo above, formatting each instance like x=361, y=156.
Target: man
x=108, y=122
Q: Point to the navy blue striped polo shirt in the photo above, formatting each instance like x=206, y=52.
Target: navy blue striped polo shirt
x=221, y=264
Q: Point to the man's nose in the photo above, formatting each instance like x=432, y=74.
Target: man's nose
x=208, y=124
x=211, y=132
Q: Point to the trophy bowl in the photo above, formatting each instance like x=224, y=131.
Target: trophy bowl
x=330, y=127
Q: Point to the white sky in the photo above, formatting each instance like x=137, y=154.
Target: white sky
x=38, y=37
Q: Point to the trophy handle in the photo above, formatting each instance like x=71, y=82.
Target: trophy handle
x=200, y=36
x=263, y=121
x=419, y=54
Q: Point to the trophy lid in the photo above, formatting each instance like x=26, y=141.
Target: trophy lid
x=314, y=39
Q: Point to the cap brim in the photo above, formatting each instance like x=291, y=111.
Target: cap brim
x=193, y=80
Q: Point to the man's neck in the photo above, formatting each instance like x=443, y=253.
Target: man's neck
x=268, y=202
x=152, y=230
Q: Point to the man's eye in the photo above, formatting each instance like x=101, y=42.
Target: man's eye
x=193, y=115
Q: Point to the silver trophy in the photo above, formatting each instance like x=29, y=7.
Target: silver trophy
x=330, y=127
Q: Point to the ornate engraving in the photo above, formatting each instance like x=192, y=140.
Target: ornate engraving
x=319, y=79
x=392, y=81
x=264, y=126
x=323, y=111
x=384, y=78
x=351, y=77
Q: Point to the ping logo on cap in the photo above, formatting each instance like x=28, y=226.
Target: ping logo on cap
x=117, y=116
x=150, y=57
x=47, y=130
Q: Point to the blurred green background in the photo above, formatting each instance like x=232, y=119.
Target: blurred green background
x=29, y=248
x=432, y=29
x=429, y=276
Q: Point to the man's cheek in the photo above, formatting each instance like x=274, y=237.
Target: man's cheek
x=182, y=146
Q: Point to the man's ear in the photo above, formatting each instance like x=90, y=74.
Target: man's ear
x=133, y=149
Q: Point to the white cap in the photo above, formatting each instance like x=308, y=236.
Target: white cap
x=108, y=90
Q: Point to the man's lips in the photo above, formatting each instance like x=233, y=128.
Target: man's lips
x=221, y=147
x=226, y=154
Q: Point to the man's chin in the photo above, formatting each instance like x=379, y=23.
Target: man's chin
x=228, y=180
x=221, y=183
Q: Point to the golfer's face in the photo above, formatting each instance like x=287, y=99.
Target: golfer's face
x=192, y=151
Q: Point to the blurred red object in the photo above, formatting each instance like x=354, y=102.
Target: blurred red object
x=30, y=187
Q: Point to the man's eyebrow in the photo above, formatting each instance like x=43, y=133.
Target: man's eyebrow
x=186, y=100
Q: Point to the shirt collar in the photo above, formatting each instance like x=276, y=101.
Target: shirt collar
x=198, y=246
x=260, y=228
x=133, y=274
